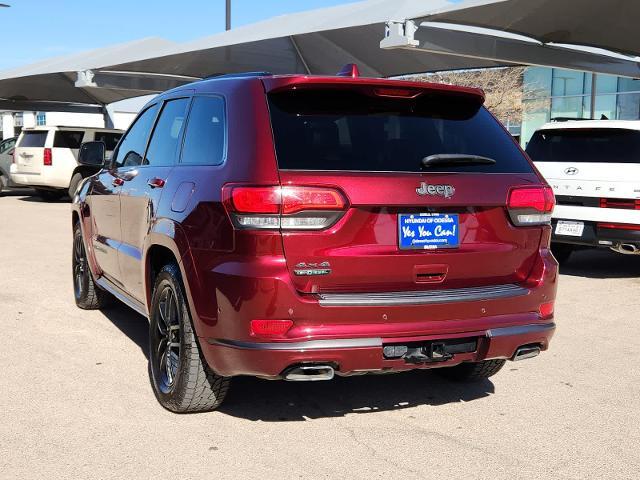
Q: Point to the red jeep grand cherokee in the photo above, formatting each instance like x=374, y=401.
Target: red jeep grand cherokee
x=300, y=227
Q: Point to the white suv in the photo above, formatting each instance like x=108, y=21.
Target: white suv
x=594, y=169
x=46, y=158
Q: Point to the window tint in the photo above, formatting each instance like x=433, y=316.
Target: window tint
x=33, y=139
x=167, y=134
x=606, y=145
x=131, y=150
x=204, y=142
x=68, y=139
x=110, y=139
x=347, y=130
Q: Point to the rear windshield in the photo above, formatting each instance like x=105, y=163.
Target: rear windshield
x=110, y=139
x=68, y=139
x=604, y=145
x=351, y=131
x=33, y=139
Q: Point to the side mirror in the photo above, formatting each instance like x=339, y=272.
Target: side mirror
x=92, y=154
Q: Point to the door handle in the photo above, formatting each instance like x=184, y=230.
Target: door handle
x=117, y=182
x=156, y=182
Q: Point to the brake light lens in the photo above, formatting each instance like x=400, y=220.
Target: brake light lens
x=269, y=328
x=531, y=205
x=47, y=158
x=290, y=207
x=619, y=226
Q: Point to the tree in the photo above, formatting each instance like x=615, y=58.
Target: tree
x=503, y=88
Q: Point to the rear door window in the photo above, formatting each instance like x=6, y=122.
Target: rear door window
x=34, y=139
x=110, y=139
x=204, y=142
x=608, y=145
x=131, y=149
x=68, y=139
x=351, y=131
x=163, y=148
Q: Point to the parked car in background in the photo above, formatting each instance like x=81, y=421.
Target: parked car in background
x=46, y=158
x=300, y=227
x=6, y=159
x=594, y=169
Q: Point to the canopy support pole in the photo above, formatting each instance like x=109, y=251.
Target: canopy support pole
x=299, y=53
x=594, y=79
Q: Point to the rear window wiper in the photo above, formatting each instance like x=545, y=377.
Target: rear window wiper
x=447, y=159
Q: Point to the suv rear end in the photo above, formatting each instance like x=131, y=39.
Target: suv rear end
x=45, y=158
x=398, y=227
x=593, y=167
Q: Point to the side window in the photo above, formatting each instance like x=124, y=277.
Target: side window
x=68, y=139
x=204, y=142
x=167, y=134
x=131, y=150
x=110, y=139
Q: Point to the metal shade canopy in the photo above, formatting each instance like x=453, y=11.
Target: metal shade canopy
x=316, y=42
x=80, y=79
x=607, y=24
x=321, y=41
x=414, y=39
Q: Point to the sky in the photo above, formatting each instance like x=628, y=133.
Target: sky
x=36, y=29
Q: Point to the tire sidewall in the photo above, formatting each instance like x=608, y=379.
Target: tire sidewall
x=84, y=287
x=168, y=278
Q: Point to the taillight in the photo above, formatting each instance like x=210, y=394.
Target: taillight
x=531, y=205
x=290, y=207
x=47, y=158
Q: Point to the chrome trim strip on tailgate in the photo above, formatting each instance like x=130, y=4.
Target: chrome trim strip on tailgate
x=428, y=297
x=308, y=345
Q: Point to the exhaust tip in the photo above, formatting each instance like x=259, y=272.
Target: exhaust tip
x=310, y=373
x=529, y=351
x=626, y=249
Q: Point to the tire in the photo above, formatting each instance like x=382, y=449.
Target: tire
x=562, y=252
x=50, y=195
x=472, y=372
x=3, y=184
x=73, y=185
x=181, y=379
x=87, y=294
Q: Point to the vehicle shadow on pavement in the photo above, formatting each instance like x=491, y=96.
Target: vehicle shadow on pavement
x=279, y=401
x=600, y=263
x=33, y=198
x=133, y=325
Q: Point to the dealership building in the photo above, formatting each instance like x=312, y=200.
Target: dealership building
x=552, y=93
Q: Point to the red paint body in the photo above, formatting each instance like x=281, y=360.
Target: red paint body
x=233, y=276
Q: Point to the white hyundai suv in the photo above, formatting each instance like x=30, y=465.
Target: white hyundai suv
x=594, y=169
x=46, y=158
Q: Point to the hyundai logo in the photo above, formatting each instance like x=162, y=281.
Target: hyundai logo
x=572, y=171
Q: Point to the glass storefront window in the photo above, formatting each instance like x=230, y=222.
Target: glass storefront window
x=567, y=82
x=628, y=106
x=567, y=107
x=537, y=82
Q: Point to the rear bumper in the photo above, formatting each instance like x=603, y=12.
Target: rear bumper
x=598, y=237
x=350, y=331
x=350, y=356
x=46, y=180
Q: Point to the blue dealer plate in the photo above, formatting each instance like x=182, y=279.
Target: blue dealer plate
x=428, y=231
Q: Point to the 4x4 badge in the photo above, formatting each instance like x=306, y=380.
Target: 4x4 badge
x=446, y=191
